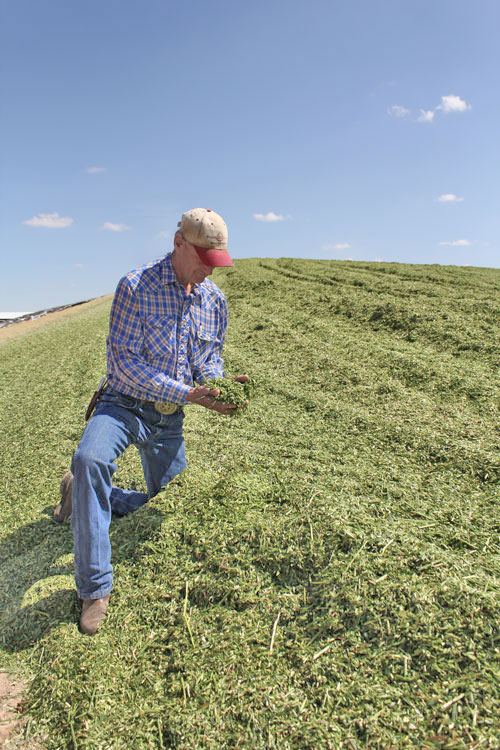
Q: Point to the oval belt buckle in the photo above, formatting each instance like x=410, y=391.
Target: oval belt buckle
x=164, y=407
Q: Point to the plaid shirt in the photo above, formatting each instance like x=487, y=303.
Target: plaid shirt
x=162, y=340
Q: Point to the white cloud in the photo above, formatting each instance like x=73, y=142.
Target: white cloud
x=79, y=265
x=95, y=170
x=449, y=198
x=115, y=227
x=426, y=115
x=49, y=221
x=457, y=243
x=449, y=103
x=337, y=246
x=270, y=216
x=453, y=103
x=398, y=111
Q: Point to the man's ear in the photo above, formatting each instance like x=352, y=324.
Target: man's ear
x=178, y=241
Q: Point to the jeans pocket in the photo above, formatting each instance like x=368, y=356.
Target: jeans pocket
x=115, y=398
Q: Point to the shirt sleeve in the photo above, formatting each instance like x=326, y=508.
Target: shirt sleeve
x=125, y=351
x=213, y=367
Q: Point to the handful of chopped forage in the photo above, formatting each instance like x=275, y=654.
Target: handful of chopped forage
x=232, y=391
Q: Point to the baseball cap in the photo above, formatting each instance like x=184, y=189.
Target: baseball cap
x=207, y=231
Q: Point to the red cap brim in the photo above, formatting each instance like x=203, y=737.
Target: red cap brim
x=210, y=256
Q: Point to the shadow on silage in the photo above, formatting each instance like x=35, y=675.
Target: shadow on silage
x=34, y=551
x=30, y=569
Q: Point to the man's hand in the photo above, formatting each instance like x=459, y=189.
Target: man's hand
x=208, y=398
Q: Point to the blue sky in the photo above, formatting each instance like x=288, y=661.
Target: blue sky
x=361, y=129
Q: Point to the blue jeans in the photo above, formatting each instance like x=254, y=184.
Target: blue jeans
x=118, y=421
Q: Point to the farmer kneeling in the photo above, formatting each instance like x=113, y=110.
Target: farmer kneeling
x=167, y=328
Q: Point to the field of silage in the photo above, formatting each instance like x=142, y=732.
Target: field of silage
x=325, y=574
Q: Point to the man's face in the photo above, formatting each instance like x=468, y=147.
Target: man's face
x=190, y=267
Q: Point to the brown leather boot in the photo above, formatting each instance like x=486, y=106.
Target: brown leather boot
x=93, y=613
x=63, y=509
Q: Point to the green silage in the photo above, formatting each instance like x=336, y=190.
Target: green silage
x=232, y=391
x=326, y=572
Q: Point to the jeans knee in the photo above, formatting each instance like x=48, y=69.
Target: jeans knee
x=85, y=460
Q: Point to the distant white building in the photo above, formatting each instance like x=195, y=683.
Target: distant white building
x=11, y=318
x=5, y=316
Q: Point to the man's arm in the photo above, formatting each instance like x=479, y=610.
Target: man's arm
x=213, y=366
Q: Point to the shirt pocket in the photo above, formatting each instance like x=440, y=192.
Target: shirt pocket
x=160, y=335
x=204, y=344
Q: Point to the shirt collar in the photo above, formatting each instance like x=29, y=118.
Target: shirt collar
x=168, y=276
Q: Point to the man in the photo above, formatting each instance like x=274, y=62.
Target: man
x=167, y=328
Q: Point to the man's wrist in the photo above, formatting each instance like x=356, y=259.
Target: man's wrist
x=177, y=395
